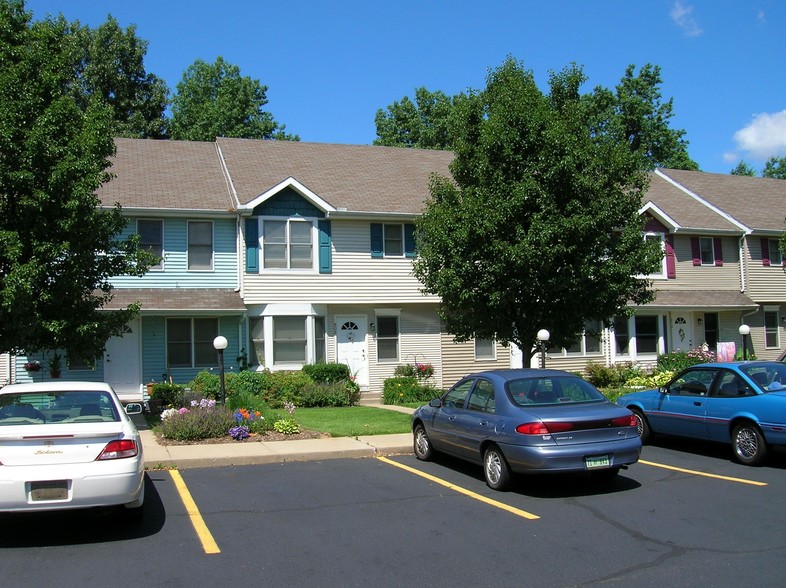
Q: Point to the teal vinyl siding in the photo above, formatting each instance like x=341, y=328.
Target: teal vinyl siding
x=66, y=375
x=288, y=203
x=175, y=273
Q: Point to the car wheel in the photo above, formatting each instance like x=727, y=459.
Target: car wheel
x=642, y=425
x=749, y=445
x=422, y=444
x=496, y=469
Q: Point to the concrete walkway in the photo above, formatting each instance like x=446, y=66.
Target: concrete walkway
x=250, y=453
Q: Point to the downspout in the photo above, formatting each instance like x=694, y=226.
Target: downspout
x=742, y=263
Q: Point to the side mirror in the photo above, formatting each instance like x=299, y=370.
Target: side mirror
x=133, y=408
x=663, y=390
x=435, y=403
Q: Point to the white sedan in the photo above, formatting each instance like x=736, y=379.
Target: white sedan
x=66, y=445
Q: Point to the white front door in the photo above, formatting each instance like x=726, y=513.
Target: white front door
x=352, y=348
x=121, y=360
x=681, y=332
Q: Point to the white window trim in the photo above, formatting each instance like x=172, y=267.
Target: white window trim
x=714, y=255
x=387, y=313
x=314, y=245
x=492, y=357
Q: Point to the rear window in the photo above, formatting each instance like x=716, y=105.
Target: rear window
x=39, y=408
x=552, y=390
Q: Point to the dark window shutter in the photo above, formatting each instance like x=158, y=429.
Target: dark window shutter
x=377, y=245
x=717, y=245
x=765, y=251
x=409, y=240
x=325, y=253
x=252, y=245
x=671, y=261
x=695, y=250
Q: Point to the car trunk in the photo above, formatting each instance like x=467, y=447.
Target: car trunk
x=586, y=424
x=56, y=444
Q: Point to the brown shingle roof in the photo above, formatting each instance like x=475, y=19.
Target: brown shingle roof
x=356, y=177
x=758, y=203
x=171, y=299
x=183, y=175
x=707, y=300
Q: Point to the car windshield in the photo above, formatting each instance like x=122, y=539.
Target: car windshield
x=40, y=408
x=769, y=377
x=552, y=390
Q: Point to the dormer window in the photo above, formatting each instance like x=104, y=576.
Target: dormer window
x=288, y=244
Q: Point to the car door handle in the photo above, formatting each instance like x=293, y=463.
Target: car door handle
x=483, y=423
x=452, y=418
x=697, y=403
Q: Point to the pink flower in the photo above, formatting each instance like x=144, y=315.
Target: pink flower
x=183, y=410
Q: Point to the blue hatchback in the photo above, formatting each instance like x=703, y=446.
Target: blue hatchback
x=742, y=403
x=527, y=421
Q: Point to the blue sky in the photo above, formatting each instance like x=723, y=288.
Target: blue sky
x=329, y=66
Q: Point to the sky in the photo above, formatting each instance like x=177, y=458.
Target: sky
x=330, y=65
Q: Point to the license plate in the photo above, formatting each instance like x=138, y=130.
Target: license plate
x=597, y=461
x=53, y=490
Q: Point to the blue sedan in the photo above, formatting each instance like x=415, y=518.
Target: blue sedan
x=527, y=421
x=742, y=403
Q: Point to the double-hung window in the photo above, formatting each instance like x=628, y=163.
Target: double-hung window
x=776, y=258
x=485, y=349
x=590, y=341
x=660, y=239
x=707, y=251
x=387, y=338
x=288, y=244
x=190, y=342
x=151, y=238
x=200, y=245
x=394, y=240
x=771, y=328
x=289, y=339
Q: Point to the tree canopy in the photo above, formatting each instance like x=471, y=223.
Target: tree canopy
x=214, y=100
x=539, y=225
x=58, y=248
x=774, y=167
x=423, y=124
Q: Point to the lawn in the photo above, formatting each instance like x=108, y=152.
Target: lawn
x=353, y=421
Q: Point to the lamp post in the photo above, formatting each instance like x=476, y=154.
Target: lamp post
x=744, y=332
x=220, y=343
x=543, y=337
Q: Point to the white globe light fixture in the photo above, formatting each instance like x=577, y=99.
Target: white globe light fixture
x=220, y=343
x=745, y=330
x=543, y=337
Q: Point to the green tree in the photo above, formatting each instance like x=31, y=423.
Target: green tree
x=539, y=225
x=112, y=69
x=423, y=124
x=641, y=119
x=214, y=100
x=58, y=248
x=743, y=168
x=775, y=167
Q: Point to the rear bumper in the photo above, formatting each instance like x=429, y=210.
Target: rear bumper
x=88, y=485
x=570, y=458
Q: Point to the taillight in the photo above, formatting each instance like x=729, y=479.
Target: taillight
x=625, y=421
x=119, y=449
x=539, y=428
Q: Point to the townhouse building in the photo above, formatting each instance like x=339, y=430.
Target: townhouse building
x=301, y=252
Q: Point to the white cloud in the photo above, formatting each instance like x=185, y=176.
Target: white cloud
x=764, y=136
x=682, y=15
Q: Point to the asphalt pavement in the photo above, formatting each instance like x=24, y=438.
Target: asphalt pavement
x=159, y=456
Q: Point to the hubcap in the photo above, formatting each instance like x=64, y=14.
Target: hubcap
x=639, y=425
x=493, y=467
x=422, y=443
x=746, y=443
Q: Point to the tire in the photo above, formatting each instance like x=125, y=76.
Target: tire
x=421, y=444
x=496, y=469
x=643, y=426
x=749, y=445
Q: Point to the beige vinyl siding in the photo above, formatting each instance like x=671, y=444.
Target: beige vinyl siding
x=572, y=363
x=690, y=277
x=458, y=360
x=356, y=277
x=764, y=282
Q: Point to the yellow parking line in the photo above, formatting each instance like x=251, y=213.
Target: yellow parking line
x=706, y=475
x=208, y=543
x=511, y=509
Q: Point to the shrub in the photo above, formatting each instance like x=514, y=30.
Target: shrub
x=197, y=423
x=286, y=387
x=327, y=373
x=676, y=361
x=206, y=385
x=407, y=389
x=168, y=394
x=601, y=376
x=247, y=382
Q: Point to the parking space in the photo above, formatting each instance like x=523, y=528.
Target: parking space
x=395, y=522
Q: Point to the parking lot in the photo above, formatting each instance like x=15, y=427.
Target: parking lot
x=685, y=516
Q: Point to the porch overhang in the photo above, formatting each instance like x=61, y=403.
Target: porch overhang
x=701, y=300
x=173, y=301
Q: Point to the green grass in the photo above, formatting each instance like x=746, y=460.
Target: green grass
x=353, y=421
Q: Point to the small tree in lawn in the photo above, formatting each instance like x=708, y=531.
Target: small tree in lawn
x=539, y=226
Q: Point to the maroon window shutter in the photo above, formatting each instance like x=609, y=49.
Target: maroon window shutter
x=718, y=247
x=671, y=262
x=765, y=251
x=695, y=250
